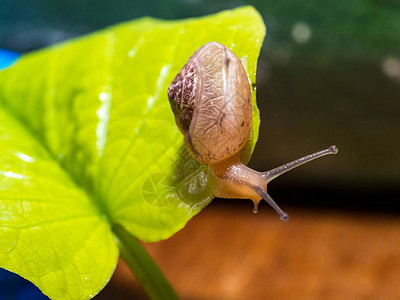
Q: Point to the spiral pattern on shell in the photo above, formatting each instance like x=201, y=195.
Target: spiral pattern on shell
x=181, y=95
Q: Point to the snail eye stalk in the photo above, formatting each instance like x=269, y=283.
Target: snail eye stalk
x=272, y=174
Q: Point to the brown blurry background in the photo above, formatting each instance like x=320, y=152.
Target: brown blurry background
x=329, y=73
x=230, y=253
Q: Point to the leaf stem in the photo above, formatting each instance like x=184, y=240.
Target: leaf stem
x=142, y=265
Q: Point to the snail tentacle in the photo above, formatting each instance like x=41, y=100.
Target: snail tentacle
x=272, y=174
x=264, y=195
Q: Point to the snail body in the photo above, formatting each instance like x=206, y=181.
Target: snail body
x=211, y=100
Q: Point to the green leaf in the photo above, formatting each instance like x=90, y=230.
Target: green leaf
x=51, y=233
x=88, y=141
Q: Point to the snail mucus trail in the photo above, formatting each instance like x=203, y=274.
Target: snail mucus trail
x=211, y=100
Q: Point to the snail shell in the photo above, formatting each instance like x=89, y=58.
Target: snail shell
x=211, y=100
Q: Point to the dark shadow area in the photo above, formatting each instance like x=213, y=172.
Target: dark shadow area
x=383, y=201
x=14, y=287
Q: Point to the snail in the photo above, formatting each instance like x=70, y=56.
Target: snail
x=211, y=101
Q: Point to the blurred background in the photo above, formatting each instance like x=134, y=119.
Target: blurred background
x=329, y=73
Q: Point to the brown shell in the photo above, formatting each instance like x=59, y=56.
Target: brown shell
x=211, y=101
